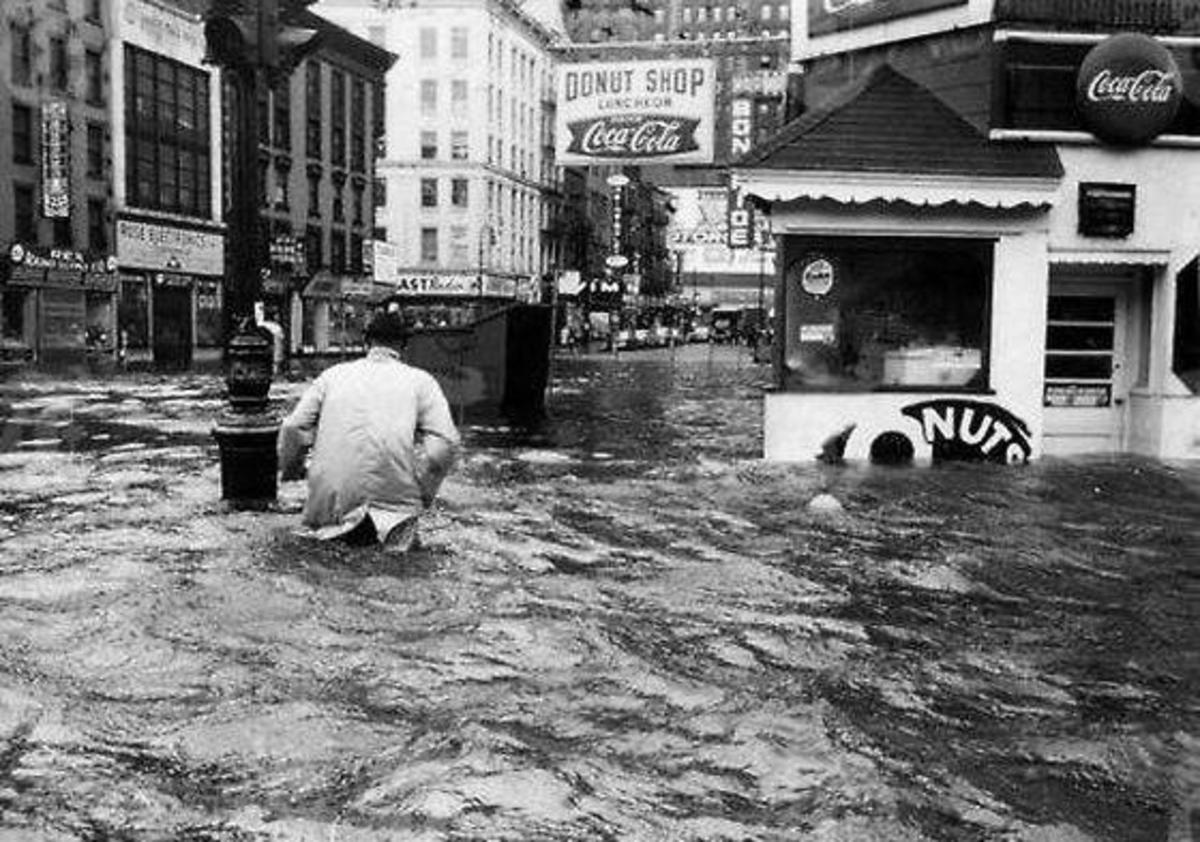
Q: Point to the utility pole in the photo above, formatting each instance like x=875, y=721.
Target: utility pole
x=252, y=42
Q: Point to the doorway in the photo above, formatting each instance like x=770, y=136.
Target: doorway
x=172, y=321
x=1087, y=377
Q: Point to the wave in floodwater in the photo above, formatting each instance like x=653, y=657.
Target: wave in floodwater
x=621, y=625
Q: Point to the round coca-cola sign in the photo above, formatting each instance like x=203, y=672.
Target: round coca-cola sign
x=1129, y=89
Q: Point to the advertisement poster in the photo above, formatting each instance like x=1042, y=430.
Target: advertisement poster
x=636, y=112
x=699, y=233
x=56, y=161
x=827, y=16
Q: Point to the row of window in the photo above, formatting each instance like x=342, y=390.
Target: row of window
x=731, y=13
x=276, y=192
x=59, y=65
x=458, y=192
x=25, y=141
x=345, y=251
x=346, y=126
x=429, y=37
x=26, y=214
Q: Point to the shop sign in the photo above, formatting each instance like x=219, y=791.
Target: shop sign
x=1129, y=89
x=826, y=16
x=65, y=260
x=162, y=30
x=433, y=283
x=1078, y=394
x=149, y=245
x=741, y=127
x=740, y=225
x=767, y=83
x=636, y=111
x=1106, y=210
x=56, y=161
x=973, y=431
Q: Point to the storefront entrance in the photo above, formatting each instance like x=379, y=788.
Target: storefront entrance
x=1087, y=376
x=172, y=322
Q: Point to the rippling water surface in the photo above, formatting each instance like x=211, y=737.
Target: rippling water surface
x=621, y=626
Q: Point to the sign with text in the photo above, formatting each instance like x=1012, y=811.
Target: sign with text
x=826, y=16
x=636, y=112
x=56, y=161
x=1129, y=89
x=149, y=245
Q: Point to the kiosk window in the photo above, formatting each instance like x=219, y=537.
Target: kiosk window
x=866, y=314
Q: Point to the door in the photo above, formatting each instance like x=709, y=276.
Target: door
x=1086, y=381
x=172, y=325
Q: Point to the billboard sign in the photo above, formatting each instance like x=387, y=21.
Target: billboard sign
x=828, y=16
x=636, y=112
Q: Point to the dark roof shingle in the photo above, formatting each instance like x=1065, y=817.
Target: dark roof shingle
x=889, y=123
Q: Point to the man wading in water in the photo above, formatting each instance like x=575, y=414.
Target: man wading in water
x=381, y=438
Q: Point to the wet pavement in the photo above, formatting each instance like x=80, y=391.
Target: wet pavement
x=622, y=626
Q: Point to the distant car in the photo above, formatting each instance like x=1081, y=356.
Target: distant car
x=700, y=333
x=624, y=338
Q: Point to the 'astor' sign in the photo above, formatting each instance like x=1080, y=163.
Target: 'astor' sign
x=1129, y=89
x=650, y=111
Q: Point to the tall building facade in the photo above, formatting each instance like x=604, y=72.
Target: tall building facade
x=472, y=190
x=166, y=185
x=320, y=135
x=57, y=275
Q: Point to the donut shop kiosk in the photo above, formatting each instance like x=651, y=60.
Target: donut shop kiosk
x=945, y=293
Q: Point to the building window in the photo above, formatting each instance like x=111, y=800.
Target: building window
x=337, y=252
x=458, y=97
x=25, y=218
x=428, y=42
x=281, y=110
x=339, y=202
x=168, y=162
x=95, y=150
x=22, y=54
x=93, y=10
x=429, y=97
x=458, y=42
x=97, y=227
x=357, y=189
x=428, y=145
x=337, y=118
x=283, y=190
x=312, y=110
x=887, y=315
x=60, y=71
x=458, y=192
x=458, y=145
x=22, y=121
x=312, y=248
x=314, y=192
x=429, y=192
x=356, y=254
x=764, y=12
x=94, y=69
x=64, y=237
x=358, y=125
x=785, y=11
x=429, y=245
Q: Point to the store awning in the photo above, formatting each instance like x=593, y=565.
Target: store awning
x=888, y=139
x=1134, y=257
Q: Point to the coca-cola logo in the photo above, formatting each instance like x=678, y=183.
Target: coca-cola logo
x=633, y=136
x=1129, y=89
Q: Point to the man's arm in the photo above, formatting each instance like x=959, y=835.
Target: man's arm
x=437, y=440
x=298, y=430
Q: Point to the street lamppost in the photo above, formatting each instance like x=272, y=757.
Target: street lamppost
x=250, y=41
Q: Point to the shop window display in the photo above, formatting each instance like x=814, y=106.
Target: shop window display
x=866, y=314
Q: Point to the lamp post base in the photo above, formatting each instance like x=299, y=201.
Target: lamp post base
x=249, y=461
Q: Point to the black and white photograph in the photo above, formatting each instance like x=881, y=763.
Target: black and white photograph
x=615, y=420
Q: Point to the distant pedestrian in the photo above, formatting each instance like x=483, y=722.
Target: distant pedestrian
x=382, y=440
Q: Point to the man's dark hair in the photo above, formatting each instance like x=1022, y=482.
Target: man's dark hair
x=387, y=328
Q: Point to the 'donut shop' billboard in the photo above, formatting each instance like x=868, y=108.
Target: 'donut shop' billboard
x=636, y=112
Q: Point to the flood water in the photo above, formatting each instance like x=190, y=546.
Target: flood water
x=622, y=625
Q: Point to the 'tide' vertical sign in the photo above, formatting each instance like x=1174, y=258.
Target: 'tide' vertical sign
x=740, y=222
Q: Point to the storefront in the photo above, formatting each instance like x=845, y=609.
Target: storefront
x=946, y=295
x=171, y=296
x=334, y=311
x=58, y=306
